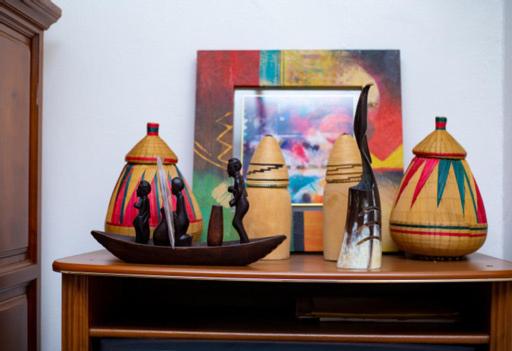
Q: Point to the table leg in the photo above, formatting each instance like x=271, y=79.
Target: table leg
x=501, y=317
x=75, y=312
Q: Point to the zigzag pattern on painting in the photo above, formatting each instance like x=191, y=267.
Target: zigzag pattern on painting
x=226, y=148
x=227, y=145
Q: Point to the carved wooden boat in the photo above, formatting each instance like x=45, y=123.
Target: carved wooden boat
x=231, y=253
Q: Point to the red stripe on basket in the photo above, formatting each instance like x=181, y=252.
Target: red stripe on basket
x=414, y=232
x=430, y=164
x=438, y=154
x=441, y=125
x=481, y=216
x=414, y=166
x=149, y=159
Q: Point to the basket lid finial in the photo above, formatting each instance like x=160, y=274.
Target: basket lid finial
x=441, y=123
x=152, y=128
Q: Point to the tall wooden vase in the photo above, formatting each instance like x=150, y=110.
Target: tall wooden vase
x=270, y=210
x=439, y=212
x=343, y=171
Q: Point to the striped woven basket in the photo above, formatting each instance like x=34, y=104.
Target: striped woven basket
x=141, y=164
x=438, y=211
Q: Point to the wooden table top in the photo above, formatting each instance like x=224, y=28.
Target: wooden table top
x=299, y=268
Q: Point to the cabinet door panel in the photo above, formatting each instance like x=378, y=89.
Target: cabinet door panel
x=13, y=320
x=14, y=144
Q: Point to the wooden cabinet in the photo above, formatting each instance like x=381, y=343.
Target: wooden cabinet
x=22, y=23
x=304, y=299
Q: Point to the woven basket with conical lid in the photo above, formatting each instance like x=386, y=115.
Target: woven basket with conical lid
x=439, y=211
x=141, y=164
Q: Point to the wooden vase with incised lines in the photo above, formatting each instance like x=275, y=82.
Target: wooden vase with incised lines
x=343, y=171
x=270, y=211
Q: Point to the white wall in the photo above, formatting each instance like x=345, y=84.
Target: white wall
x=507, y=139
x=111, y=66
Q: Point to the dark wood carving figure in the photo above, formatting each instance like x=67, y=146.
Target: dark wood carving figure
x=180, y=217
x=141, y=222
x=239, y=200
x=161, y=233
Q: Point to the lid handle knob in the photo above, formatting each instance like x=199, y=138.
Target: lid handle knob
x=153, y=128
x=441, y=123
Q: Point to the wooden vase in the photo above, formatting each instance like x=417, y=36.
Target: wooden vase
x=343, y=171
x=439, y=211
x=215, y=235
x=270, y=210
x=141, y=165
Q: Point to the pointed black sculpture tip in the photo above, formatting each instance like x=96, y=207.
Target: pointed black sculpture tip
x=360, y=128
x=141, y=221
x=180, y=216
x=239, y=200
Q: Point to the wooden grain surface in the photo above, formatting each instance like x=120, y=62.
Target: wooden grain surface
x=501, y=317
x=299, y=268
x=14, y=142
x=380, y=335
x=21, y=59
x=75, y=313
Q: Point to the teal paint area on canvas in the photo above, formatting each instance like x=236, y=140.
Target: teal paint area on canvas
x=270, y=67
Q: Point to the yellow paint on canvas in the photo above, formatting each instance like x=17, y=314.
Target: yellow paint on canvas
x=323, y=68
x=394, y=160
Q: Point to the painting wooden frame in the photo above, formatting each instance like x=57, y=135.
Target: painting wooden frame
x=219, y=73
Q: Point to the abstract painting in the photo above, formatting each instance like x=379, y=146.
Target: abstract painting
x=305, y=122
x=224, y=76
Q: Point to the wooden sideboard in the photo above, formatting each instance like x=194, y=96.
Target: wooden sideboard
x=304, y=299
x=22, y=23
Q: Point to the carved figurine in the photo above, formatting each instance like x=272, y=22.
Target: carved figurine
x=141, y=221
x=161, y=233
x=180, y=216
x=361, y=248
x=239, y=200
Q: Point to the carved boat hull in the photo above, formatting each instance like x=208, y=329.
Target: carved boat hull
x=231, y=253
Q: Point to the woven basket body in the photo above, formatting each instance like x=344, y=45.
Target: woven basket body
x=141, y=164
x=439, y=211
